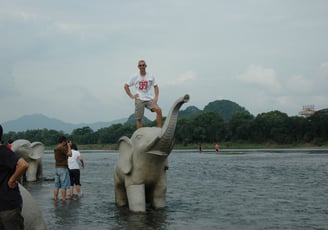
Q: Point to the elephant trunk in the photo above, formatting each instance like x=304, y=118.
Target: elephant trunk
x=166, y=142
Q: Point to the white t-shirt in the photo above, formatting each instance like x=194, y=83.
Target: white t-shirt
x=143, y=86
x=73, y=161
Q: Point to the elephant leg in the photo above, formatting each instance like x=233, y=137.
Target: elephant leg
x=136, y=198
x=159, y=199
x=120, y=195
x=31, y=171
x=159, y=193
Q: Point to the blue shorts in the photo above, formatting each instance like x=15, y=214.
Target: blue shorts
x=62, y=178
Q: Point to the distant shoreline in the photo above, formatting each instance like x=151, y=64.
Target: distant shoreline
x=209, y=146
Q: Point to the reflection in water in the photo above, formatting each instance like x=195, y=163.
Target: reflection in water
x=152, y=219
x=66, y=212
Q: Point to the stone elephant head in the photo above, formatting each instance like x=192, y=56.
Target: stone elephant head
x=140, y=172
x=32, y=153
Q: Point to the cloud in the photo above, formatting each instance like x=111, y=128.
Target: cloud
x=324, y=70
x=15, y=14
x=267, y=91
x=219, y=50
x=259, y=76
x=181, y=80
x=313, y=84
x=7, y=82
x=299, y=84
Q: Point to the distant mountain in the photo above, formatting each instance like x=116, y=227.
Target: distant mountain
x=225, y=108
x=40, y=121
x=189, y=112
x=132, y=119
x=102, y=124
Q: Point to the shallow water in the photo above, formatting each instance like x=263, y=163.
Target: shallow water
x=255, y=189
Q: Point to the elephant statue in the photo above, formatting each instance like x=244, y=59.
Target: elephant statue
x=33, y=219
x=140, y=171
x=32, y=153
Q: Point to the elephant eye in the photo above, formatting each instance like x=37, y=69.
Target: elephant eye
x=138, y=137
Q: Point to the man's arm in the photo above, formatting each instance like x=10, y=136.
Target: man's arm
x=69, y=150
x=128, y=92
x=21, y=167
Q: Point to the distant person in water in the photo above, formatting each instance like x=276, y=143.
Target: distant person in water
x=144, y=82
x=74, y=170
x=217, y=147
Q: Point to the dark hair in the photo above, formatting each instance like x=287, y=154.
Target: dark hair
x=61, y=139
x=74, y=146
x=1, y=131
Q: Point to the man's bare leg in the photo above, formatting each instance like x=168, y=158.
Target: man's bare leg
x=56, y=190
x=71, y=191
x=139, y=123
x=63, y=192
x=158, y=116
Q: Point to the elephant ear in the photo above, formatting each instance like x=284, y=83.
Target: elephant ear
x=22, y=147
x=124, y=162
x=37, y=150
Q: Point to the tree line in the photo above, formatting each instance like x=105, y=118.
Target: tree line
x=208, y=127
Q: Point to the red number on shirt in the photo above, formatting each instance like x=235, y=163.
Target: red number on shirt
x=143, y=85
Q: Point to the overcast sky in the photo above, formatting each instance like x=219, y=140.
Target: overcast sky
x=69, y=59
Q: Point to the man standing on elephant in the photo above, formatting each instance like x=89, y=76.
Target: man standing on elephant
x=12, y=167
x=143, y=83
x=62, y=181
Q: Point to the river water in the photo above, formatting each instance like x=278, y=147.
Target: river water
x=253, y=189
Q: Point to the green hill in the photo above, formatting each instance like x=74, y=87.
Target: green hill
x=225, y=108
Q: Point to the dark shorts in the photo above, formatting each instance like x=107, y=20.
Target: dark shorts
x=74, y=175
x=11, y=219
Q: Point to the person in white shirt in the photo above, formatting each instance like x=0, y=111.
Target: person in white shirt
x=143, y=83
x=74, y=170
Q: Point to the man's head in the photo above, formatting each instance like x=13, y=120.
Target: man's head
x=142, y=64
x=62, y=139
